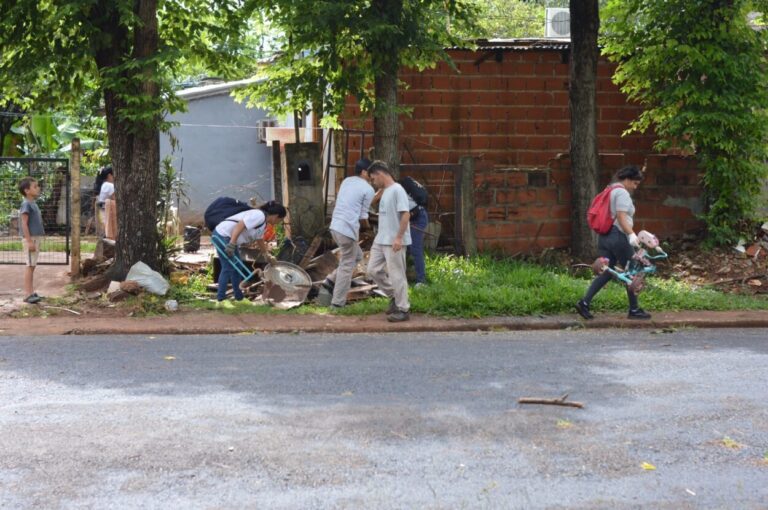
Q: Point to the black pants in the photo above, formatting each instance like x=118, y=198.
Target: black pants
x=616, y=248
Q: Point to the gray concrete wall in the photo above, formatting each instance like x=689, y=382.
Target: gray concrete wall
x=218, y=153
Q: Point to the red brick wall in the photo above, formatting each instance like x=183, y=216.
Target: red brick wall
x=520, y=211
x=513, y=116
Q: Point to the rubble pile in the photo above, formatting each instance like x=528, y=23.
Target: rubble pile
x=741, y=269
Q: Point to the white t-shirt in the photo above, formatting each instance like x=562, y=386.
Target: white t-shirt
x=352, y=204
x=106, y=191
x=393, y=201
x=255, y=225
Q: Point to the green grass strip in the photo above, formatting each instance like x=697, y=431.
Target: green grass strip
x=485, y=287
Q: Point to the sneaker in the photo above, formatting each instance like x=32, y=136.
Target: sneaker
x=329, y=285
x=392, y=308
x=419, y=285
x=583, y=308
x=638, y=313
x=32, y=299
x=399, y=316
x=335, y=308
x=38, y=296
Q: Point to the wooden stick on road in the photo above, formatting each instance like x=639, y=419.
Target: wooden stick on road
x=550, y=401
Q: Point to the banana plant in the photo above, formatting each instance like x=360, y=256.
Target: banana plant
x=49, y=135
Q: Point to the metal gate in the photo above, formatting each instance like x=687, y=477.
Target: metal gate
x=443, y=182
x=52, y=174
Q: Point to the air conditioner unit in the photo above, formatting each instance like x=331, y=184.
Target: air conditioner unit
x=558, y=23
x=261, y=128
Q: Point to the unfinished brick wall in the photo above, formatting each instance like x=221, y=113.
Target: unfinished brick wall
x=509, y=109
x=520, y=211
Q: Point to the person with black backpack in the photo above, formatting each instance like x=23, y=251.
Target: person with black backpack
x=240, y=229
x=617, y=245
x=417, y=201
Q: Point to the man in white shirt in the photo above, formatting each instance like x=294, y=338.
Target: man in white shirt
x=351, y=210
x=387, y=263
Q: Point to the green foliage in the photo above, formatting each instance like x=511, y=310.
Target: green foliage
x=55, y=54
x=52, y=135
x=128, y=54
x=332, y=49
x=508, y=19
x=172, y=192
x=700, y=71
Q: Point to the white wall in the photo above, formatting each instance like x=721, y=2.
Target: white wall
x=218, y=153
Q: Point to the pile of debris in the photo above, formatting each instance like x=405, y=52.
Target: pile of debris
x=294, y=279
x=299, y=272
x=742, y=269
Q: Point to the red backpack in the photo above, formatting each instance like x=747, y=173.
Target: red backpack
x=599, y=216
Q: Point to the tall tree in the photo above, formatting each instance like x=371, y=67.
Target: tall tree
x=700, y=70
x=128, y=51
x=333, y=49
x=508, y=19
x=10, y=113
x=585, y=24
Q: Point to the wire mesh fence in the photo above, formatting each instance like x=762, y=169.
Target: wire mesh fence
x=52, y=176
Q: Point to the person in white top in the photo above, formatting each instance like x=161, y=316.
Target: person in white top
x=350, y=212
x=241, y=229
x=105, y=187
x=387, y=263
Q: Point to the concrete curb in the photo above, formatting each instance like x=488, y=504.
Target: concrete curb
x=191, y=323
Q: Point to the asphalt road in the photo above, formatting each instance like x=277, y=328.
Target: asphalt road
x=386, y=421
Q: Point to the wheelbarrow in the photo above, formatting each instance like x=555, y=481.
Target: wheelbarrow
x=245, y=272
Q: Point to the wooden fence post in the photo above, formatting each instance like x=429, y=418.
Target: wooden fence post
x=74, y=172
x=468, y=225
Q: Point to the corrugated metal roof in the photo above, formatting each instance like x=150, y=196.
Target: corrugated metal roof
x=528, y=44
x=214, y=90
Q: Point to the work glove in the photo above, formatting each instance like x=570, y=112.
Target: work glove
x=633, y=240
x=230, y=249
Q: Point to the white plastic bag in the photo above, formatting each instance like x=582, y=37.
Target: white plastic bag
x=148, y=279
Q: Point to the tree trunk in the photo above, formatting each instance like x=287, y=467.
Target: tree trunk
x=136, y=163
x=135, y=154
x=386, y=127
x=585, y=22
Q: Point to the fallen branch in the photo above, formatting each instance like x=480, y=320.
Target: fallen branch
x=741, y=279
x=61, y=308
x=550, y=401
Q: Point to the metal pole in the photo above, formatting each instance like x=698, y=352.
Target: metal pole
x=328, y=173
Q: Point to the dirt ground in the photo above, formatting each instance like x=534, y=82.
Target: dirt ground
x=50, y=281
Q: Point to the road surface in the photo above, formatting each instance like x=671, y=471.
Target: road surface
x=386, y=421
